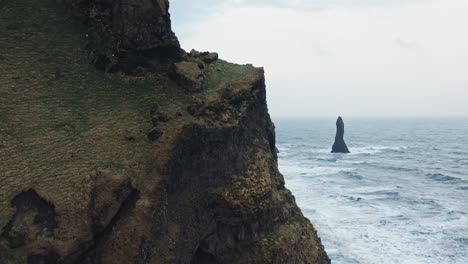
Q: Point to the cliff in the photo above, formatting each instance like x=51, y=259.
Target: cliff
x=150, y=155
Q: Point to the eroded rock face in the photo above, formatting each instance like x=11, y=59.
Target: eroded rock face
x=339, y=146
x=128, y=35
x=34, y=217
x=191, y=72
x=206, y=56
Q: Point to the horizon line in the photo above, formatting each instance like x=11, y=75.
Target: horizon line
x=366, y=116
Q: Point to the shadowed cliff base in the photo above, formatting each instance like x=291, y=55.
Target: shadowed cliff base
x=339, y=146
x=170, y=163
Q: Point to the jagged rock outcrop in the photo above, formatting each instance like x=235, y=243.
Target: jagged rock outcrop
x=191, y=72
x=133, y=36
x=190, y=75
x=114, y=168
x=339, y=146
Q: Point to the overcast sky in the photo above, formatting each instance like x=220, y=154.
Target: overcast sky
x=341, y=57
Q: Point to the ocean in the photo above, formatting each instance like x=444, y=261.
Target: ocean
x=400, y=197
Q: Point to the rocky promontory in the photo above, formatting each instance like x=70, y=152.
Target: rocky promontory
x=116, y=146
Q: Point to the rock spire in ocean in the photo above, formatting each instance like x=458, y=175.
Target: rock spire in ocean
x=339, y=146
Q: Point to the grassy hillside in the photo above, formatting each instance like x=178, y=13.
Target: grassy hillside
x=75, y=135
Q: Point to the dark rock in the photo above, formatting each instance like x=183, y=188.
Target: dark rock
x=339, y=146
x=198, y=61
x=33, y=217
x=126, y=34
x=197, y=107
x=194, y=53
x=111, y=190
x=139, y=71
x=130, y=138
x=112, y=197
x=160, y=117
x=209, y=57
x=154, y=134
x=49, y=258
x=189, y=76
x=210, y=158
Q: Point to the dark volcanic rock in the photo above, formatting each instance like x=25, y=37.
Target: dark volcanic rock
x=339, y=146
x=160, y=117
x=124, y=35
x=207, y=57
x=154, y=134
x=33, y=218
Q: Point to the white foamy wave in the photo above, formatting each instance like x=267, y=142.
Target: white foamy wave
x=363, y=150
x=295, y=169
x=384, y=203
x=353, y=162
x=319, y=170
x=375, y=149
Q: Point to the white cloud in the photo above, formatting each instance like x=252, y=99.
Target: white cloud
x=349, y=59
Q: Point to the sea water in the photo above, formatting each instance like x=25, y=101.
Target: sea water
x=400, y=197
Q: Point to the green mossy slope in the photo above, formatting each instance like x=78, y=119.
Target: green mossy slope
x=83, y=183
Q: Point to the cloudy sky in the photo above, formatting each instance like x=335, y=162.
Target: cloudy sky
x=341, y=57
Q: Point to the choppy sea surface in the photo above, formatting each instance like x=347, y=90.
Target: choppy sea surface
x=400, y=197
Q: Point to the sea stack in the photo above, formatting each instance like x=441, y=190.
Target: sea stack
x=339, y=146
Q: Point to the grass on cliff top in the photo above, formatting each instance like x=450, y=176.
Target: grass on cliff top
x=225, y=75
x=60, y=118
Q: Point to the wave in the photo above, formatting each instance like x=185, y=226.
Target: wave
x=384, y=195
x=365, y=150
x=291, y=169
x=376, y=149
x=462, y=153
x=387, y=193
x=353, y=175
x=401, y=169
x=443, y=178
x=325, y=159
x=353, y=162
x=350, y=198
x=392, y=200
x=323, y=170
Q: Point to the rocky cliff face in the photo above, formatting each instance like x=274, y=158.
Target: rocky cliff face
x=128, y=35
x=167, y=160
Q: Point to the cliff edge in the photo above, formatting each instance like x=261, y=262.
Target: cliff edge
x=116, y=146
